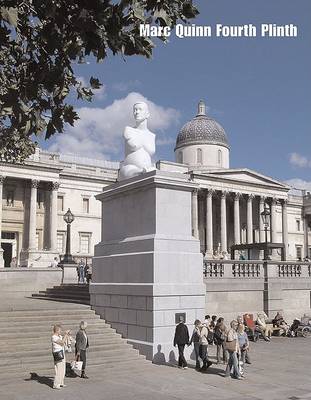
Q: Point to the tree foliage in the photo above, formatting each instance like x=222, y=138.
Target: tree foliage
x=40, y=43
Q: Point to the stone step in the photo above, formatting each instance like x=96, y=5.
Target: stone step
x=28, y=345
x=46, y=351
x=35, y=334
x=91, y=320
x=54, y=312
x=104, y=356
x=59, y=298
x=49, y=318
x=44, y=339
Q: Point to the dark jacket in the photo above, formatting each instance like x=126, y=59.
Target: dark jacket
x=181, y=334
x=82, y=343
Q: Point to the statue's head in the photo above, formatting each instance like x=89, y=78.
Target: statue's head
x=140, y=111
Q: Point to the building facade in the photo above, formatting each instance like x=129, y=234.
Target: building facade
x=226, y=208
x=35, y=197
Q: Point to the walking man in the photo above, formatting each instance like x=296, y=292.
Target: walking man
x=181, y=339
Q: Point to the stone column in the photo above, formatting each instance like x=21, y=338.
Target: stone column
x=1, y=194
x=273, y=220
x=237, y=224
x=33, y=214
x=306, y=238
x=250, y=218
x=195, y=220
x=284, y=228
x=53, y=216
x=209, y=223
x=223, y=221
x=262, y=238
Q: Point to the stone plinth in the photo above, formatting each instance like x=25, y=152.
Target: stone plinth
x=148, y=266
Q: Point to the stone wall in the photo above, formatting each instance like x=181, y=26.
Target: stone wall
x=252, y=286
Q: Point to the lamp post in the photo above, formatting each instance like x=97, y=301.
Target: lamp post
x=68, y=218
x=265, y=215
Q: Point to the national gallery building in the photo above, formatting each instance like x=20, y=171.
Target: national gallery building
x=226, y=209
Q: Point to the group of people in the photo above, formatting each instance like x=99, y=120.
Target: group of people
x=61, y=343
x=232, y=344
x=84, y=272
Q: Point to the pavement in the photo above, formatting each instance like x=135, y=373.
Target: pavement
x=279, y=370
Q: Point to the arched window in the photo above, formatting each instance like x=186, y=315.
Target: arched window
x=199, y=156
x=180, y=157
x=220, y=158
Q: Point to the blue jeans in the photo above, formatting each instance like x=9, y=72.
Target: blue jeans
x=197, y=354
x=233, y=363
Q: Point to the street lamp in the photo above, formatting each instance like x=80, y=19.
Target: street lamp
x=265, y=216
x=68, y=218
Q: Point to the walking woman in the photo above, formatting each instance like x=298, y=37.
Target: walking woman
x=82, y=343
x=195, y=339
x=58, y=342
x=233, y=348
x=219, y=339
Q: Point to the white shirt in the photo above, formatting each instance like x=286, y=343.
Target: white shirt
x=55, y=346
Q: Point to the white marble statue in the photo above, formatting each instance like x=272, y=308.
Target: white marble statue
x=139, y=145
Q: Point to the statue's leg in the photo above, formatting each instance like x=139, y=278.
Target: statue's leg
x=130, y=170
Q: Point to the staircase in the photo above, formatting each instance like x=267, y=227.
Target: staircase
x=25, y=337
x=72, y=293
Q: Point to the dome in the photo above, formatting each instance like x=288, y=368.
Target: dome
x=202, y=130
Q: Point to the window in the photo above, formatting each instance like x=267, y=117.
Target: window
x=220, y=158
x=309, y=252
x=298, y=225
x=37, y=241
x=180, y=157
x=40, y=198
x=60, y=203
x=10, y=198
x=85, y=243
x=199, y=156
x=299, y=252
x=61, y=242
x=86, y=205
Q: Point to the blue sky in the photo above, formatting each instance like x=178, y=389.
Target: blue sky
x=259, y=89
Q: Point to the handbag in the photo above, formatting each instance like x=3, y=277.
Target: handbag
x=231, y=346
x=58, y=355
x=76, y=366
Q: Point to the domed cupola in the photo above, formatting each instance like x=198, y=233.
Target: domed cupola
x=202, y=142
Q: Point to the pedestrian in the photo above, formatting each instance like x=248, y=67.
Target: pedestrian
x=219, y=339
x=195, y=339
x=232, y=346
x=54, y=263
x=247, y=356
x=82, y=344
x=181, y=338
x=81, y=276
x=243, y=343
x=58, y=351
x=204, y=347
x=13, y=263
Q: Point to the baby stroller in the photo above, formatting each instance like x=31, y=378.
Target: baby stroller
x=250, y=327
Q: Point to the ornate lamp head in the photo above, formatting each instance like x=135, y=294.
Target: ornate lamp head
x=69, y=217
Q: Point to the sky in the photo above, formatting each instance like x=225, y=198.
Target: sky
x=258, y=89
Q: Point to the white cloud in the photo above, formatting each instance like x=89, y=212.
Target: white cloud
x=298, y=183
x=99, y=94
x=126, y=86
x=98, y=132
x=298, y=160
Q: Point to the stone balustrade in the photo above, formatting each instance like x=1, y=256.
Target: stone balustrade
x=255, y=269
x=235, y=287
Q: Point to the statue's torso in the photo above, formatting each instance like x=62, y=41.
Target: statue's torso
x=143, y=139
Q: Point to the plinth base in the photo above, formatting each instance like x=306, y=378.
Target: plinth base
x=148, y=269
